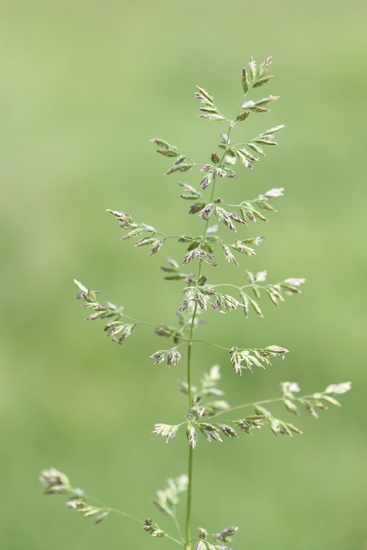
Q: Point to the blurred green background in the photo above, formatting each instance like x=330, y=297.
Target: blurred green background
x=85, y=85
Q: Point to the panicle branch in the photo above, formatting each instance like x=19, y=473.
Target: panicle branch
x=105, y=311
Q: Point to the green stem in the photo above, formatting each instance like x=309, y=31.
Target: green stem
x=120, y=512
x=189, y=499
x=177, y=524
x=126, y=515
x=189, y=489
x=189, y=366
x=232, y=286
x=264, y=402
x=211, y=344
x=173, y=539
x=189, y=343
x=238, y=407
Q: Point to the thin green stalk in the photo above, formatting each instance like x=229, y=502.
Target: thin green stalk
x=229, y=284
x=189, y=343
x=254, y=403
x=210, y=344
x=126, y=515
x=177, y=524
x=189, y=499
x=173, y=539
x=238, y=407
x=189, y=489
x=189, y=368
x=120, y=512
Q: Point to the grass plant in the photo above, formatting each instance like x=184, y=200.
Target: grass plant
x=208, y=415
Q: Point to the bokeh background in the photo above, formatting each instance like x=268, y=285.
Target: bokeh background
x=85, y=85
